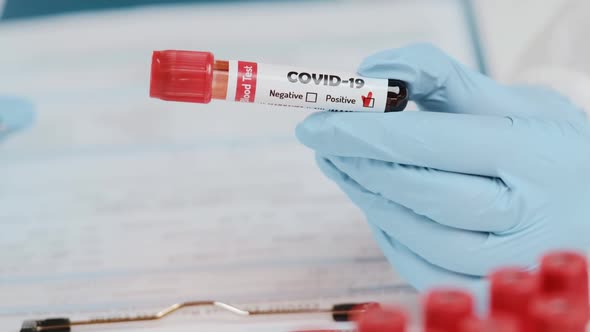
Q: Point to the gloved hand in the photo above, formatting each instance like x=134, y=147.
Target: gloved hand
x=15, y=114
x=485, y=175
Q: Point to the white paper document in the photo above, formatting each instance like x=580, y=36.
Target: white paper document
x=115, y=203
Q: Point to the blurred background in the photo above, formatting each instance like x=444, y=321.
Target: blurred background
x=112, y=201
x=502, y=25
x=35, y=8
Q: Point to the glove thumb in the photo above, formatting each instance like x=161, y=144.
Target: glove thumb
x=439, y=83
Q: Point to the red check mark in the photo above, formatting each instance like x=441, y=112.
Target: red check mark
x=367, y=99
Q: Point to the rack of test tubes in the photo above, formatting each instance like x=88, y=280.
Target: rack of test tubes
x=552, y=299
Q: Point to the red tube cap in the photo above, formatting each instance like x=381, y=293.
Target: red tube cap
x=185, y=76
x=384, y=319
x=511, y=292
x=445, y=309
x=493, y=324
x=557, y=314
x=565, y=273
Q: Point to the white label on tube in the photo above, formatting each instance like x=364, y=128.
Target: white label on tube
x=297, y=87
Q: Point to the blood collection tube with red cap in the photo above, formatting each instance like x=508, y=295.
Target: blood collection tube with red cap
x=554, y=313
x=445, y=309
x=192, y=76
x=565, y=273
x=382, y=319
x=512, y=290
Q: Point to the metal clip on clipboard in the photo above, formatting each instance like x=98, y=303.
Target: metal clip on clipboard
x=339, y=312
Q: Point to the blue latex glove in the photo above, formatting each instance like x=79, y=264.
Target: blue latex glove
x=15, y=114
x=485, y=175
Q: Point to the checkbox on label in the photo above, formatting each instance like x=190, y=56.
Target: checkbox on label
x=369, y=103
x=311, y=97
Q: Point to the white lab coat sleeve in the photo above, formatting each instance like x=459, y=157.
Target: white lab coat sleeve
x=559, y=57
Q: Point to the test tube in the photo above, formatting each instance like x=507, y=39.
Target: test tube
x=490, y=324
x=565, y=273
x=382, y=319
x=557, y=314
x=197, y=77
x=445, y=309
x=512, y=290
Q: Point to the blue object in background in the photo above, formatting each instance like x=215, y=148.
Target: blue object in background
x=15, y=114
x=28, y=8
x=474, y=34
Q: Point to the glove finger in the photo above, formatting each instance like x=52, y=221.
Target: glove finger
x=421, y=274
x=439, y=83
x=438, y=195
x=461, y=251
x=15, y=114
x=437, y=244
x=451, y=142
x=424, y=276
